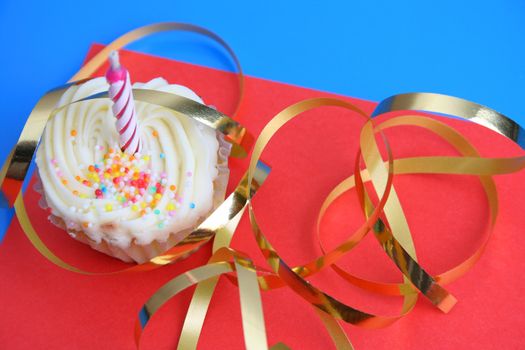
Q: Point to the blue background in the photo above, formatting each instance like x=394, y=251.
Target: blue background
x=367, y=49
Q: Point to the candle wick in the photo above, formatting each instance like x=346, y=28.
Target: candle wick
x=114, y=60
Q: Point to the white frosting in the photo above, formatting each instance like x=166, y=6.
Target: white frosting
x=184, y=149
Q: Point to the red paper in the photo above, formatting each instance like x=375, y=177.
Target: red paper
x=45, y=307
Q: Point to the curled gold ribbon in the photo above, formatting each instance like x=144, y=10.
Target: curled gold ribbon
x=470, y=164
x=385, y=218
x=329, y=308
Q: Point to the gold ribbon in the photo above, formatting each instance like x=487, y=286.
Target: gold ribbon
x=415, y=277
x=385, y=218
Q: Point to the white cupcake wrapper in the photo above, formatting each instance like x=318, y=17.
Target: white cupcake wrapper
x=142, y=253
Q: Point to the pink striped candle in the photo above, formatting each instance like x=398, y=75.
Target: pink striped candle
x=123, y=105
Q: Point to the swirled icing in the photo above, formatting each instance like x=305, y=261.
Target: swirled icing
x=179, y=153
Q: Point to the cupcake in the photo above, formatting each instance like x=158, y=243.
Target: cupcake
x=129, y=205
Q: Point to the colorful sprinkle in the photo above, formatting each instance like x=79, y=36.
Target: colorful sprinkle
x=124, y=181
x=73, y=133
x=192, y=205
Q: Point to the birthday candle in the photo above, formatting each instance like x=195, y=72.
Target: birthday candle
x=123, y=105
